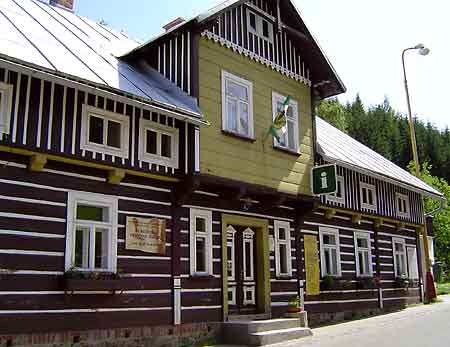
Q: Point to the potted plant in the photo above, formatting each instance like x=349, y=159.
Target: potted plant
x=365, y=283
x=294, y=305
x=75, y=280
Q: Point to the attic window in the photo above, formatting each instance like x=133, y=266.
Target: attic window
x=259, y=26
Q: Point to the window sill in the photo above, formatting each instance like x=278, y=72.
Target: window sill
x=238, y=136
x=284, y=277
x=287, y=150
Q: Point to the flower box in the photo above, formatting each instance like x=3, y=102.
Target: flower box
x=89, y=285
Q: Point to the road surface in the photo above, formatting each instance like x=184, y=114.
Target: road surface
x=420, y=326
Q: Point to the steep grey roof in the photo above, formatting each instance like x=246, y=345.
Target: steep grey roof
x=336, y=146
x=61, y=42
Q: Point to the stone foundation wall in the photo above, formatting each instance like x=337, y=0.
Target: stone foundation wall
x=171, y=336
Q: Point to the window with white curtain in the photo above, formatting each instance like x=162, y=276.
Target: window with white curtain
x=329, y=252
x=237, y=105
x=399, y=250
x=363, y=254
x=201, y=242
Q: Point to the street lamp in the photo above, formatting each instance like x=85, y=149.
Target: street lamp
x=429, y=282
x=422, y=51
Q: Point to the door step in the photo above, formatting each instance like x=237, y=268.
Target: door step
x=248, y=317
x=263, y=332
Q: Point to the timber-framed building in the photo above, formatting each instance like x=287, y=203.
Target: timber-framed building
x=100, y=134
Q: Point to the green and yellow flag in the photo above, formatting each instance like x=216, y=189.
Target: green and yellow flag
x=278, y=127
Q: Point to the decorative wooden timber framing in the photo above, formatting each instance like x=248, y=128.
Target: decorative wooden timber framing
x=377, y=223
x=356, y=218
x=330, y=213
x=116, y=176
x=84, y=163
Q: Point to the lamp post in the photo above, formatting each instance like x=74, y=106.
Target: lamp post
x=429, y=282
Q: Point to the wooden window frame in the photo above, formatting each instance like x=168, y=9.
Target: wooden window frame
x=207, y=235
x=366, y=236
x=371, y=187
x=259, y=26
x=85, y=144
x=394, y=253
x=228, y=76
x=335, y=232
x=403, y=199
x=98, y=200
x=278, y=243
x=6, y=91
x=277, y=97
x=159, y=129
x=333, y=197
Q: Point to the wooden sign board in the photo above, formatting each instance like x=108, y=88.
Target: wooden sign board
x=146, y=235
x=312, y=265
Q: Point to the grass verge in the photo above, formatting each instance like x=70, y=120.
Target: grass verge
x=443, y=288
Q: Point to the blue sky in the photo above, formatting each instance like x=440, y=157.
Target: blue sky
x=363, y=40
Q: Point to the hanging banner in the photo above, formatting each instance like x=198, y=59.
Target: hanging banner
x=312, y=265
x=146, y=235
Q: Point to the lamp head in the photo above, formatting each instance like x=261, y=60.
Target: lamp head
x=424, y=51
x=419, y=46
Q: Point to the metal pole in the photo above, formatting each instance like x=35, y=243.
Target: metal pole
x=427, y=283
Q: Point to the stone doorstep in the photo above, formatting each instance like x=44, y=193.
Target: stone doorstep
x=275, y=336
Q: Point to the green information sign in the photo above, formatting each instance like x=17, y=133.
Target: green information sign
x=323, y=179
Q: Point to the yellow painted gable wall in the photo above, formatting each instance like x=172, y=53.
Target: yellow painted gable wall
x=252, y=162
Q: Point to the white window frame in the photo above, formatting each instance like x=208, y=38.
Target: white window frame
x=124, y=121
x=159, y=129
x=207, y=235
x=231, y=236
x=413, y=265
x=335, y=232
x=404, y=198
x=259, y=26
x=366, y=236
x=285, y=225
x=394, y=253
x=111, y=202
x=276, y=98
x=333, y=197
x=227, y=76
x=5, y=107
x=367, y=186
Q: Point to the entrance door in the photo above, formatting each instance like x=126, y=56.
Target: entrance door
x=241, y=255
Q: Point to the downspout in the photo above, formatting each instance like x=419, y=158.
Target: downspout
x=439, y=209
x=314, y=99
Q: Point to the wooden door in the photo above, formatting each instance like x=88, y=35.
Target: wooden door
x=241, y=255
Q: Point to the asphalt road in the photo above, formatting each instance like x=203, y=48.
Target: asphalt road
x=420, y=326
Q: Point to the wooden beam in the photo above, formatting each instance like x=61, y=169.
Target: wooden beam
x=116, y=176
x=37, y=162
x=329, y=213
x=400, y=226
x=184, y=189
x=356, y=218
x=377, y=223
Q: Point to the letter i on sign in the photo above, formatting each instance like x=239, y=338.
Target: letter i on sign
x=324, y=180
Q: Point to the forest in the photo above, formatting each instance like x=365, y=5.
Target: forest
x=386, y=131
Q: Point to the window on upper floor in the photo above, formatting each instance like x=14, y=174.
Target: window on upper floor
x=368, y=197
x=91, y=232
x=402, y=204
x=330, y=257
x=237, y=105
x=259, y=26
x=399, y=250
x=6, y=91
x=288, y=139
x=104, y=132
x=283, y=260
x=158, y=143
x=201, y=242
x=363, y=254
x=339, y=196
